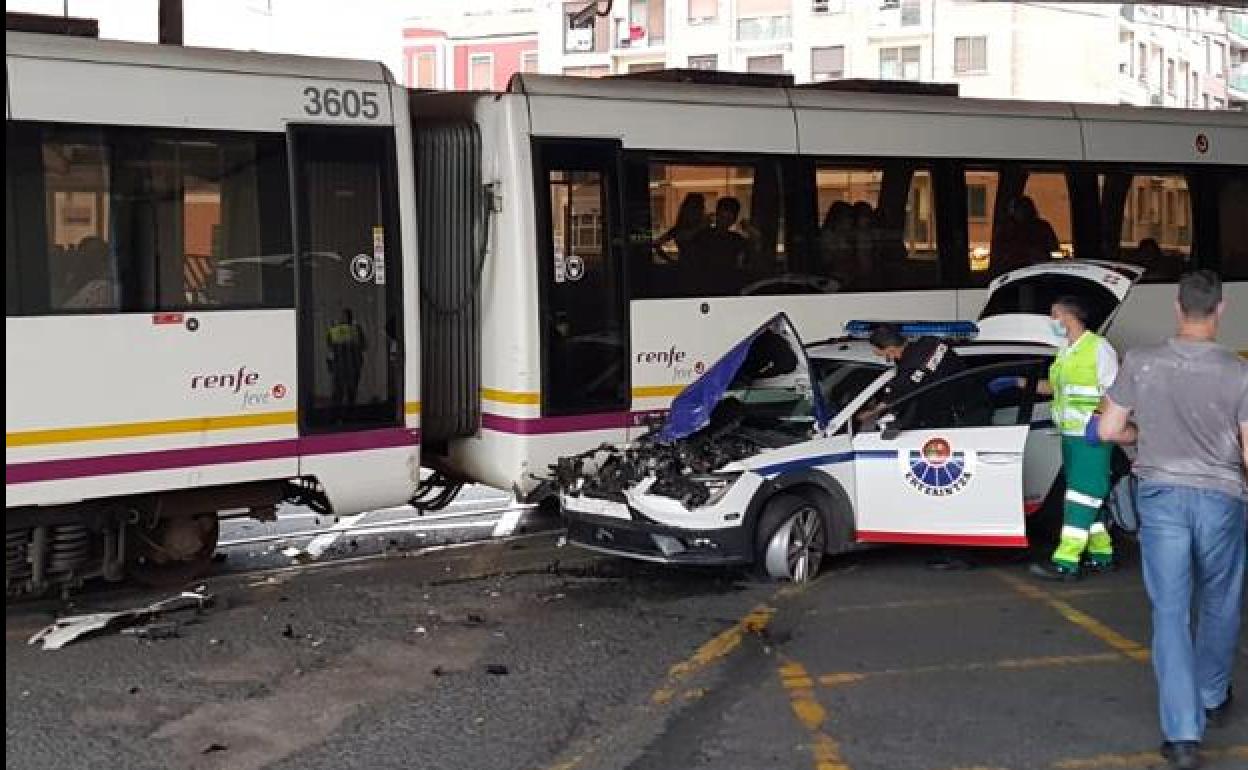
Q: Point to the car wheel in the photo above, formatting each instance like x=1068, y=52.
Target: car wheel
x=792, y=538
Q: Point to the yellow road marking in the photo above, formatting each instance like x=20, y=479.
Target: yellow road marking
x=800, y=687
x=1133, y=650
x=919, y=604
x=710, y=652
x=1144, y=759
x=149, y=428
x=842, y=678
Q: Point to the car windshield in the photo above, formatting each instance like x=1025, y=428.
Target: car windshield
x=842, y=381
x=786, y=410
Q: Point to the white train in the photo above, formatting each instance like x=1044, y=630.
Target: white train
x=604, y=291
x=211, y=271
x=236, y=279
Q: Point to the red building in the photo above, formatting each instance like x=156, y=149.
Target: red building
x=470, y=52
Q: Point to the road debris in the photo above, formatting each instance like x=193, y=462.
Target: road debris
x=213, y=748
x=165, y=630
x=497, y=669
x=73, y=627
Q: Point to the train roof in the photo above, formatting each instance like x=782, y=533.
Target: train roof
x=29, y=45
x=801, y=97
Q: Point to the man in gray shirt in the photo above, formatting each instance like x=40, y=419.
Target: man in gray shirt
x=1189, y=400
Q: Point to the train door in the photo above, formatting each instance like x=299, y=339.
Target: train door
x=583, y=309
x=347, y=241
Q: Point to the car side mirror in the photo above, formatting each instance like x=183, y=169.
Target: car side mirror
x=889, y=429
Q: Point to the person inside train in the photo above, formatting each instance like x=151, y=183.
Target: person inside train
x=719, y=251
x=691, y=221
x=836, y=242
x=347, y=345
x=1024, y=238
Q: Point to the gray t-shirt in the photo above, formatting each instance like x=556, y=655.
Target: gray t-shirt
x=1188, y=399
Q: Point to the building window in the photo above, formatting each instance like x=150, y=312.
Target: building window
x=708, y=61
x=771, y=65
x=596, y=71
x=976, y=201
x=764, y=20
x=481, y=72
x=646, y=66
x=910, y=14
x=703, y=11
x=584, y=39
x=426, y=70
x=1143, y=58
x=900, y=63
x=1170, y=77
x=890, y=5
x=1127, y=39
x=528, y=62
x=827, y=6
x=827, y=63
x=970, y=55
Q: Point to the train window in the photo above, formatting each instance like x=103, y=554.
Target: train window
x=877, y=228
x=217, y=219
x=1016, y=217
x=1233, y=227
x=120, y=219
x=714, y=229
x=1146, y=219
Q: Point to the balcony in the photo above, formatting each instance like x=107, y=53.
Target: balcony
x=1237, y=84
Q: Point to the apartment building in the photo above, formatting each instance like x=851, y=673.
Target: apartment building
x=470, y=51
x=1092, y=52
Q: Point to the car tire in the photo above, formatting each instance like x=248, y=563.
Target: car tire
x=791, y=539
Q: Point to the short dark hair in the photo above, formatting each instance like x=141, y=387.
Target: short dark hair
x=1200, y=293
x=728, y=202
x=886, y=336
x=1073, y=305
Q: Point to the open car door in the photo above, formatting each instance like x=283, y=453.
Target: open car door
x=1019, y=301
x=948, y=467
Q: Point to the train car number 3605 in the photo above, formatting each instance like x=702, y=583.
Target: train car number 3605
x=345, y=102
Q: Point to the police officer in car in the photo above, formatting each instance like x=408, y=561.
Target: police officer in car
x=919, y=362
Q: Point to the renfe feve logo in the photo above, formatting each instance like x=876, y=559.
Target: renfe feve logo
x=244, y=383
x=674, y=359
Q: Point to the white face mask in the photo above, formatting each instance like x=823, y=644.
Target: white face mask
x=1059, y=328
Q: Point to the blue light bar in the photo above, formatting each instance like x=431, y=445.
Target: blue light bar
x=956, y=330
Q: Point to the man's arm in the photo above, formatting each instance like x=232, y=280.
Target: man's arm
x=1115, y=425
x=1243, y=442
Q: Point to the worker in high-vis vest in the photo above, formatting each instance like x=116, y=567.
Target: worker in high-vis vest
x=1082, y=372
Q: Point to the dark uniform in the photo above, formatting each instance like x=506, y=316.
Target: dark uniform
x=924, y=361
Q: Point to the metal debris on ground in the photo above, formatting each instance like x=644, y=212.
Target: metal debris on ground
x=167, y=630
x=72, y=627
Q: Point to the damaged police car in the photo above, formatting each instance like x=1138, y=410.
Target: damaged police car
x=769, y=458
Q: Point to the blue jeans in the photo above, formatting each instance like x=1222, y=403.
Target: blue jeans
x=1192, y=538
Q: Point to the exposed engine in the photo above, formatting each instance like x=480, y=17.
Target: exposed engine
x=676, y=466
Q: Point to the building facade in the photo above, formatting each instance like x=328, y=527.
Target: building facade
x=1090, y=52
x=470, y=51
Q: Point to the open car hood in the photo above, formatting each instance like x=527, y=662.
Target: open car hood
x=772, y=353
x=1019, y=301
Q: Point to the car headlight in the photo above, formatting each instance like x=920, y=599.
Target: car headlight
x=716, y=485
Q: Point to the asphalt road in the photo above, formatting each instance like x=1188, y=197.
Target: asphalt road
x=526, y=655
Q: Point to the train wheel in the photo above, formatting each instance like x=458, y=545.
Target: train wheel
x=173, y=551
